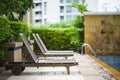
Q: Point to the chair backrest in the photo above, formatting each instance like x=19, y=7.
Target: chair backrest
x=39, y=43
x=33, y=55
x=42, y=44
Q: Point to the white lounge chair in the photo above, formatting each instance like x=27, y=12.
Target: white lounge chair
x=40, y=62
x=51, y=54
x=46, y=50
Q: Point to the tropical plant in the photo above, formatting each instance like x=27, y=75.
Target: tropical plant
x=81, y=7
x=79, y=21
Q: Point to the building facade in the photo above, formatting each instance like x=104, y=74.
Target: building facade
x=52, y=11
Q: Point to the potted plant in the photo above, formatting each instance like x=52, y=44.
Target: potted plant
x=10, y=38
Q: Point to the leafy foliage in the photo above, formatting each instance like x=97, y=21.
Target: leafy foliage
x=18, y=27
x=81, y=7
x=9, y=33
x=5, y=30
x=9, y=30
x=2, y=56
x=79, y=21
x=20, y=7
x=59, y=38
x=63, y=24
x=112, y=22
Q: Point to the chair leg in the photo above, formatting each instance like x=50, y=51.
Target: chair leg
x=68, y=69
x=65, y=57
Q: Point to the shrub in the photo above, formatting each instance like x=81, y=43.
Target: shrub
x=2, y=56
x=9, y=30
x=5, y=31
x=18, y=27
x=59, y=38
x=79, y=23
x=63, y=24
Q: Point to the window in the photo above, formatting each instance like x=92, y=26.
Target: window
x=38, y=21
x=61, y=18
x=38, y=5
x=61, y=9
x=71, y=1
x=38, y=12
x=45, y=21
x=45, y=8
x=61, y=1
x=68, y=17
x=74, y=10
x=68, y=9
x=76, y=1
x=68, y=1
x=71, y=17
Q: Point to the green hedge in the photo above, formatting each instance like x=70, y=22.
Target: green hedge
x=59, y=38
x=18, y=27
x=5, y=30
x=9, y=30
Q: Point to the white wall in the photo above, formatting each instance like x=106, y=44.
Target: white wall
x=92, y=5
x=53, y=11
x=109, y=5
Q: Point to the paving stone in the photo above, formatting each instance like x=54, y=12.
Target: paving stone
x=84, y=71
x=92, y=77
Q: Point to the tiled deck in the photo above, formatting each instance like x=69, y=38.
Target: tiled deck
x=87, y=71
x=82, y=72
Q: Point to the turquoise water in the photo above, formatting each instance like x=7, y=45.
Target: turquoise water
x=113, y=61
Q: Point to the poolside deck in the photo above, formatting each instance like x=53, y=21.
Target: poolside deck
x=84, y=71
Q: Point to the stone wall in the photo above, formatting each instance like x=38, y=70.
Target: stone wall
x=102, y=32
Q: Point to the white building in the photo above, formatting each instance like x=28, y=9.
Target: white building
x=52, y=11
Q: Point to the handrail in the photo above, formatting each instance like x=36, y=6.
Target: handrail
x=85, y=44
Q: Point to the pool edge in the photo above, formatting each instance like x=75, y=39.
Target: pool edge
x=114, y=72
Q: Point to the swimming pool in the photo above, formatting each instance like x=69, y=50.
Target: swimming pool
x=113, y=61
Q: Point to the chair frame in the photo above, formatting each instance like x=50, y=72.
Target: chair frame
x=18, y=67
x=47, y=53
x=50, y=51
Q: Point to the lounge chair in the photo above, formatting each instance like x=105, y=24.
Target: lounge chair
x=50, y=54
x=40, y=62
x=46, y=50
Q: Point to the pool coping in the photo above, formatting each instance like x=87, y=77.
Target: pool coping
x=114, y=72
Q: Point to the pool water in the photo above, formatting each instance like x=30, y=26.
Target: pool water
x=113, y=61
